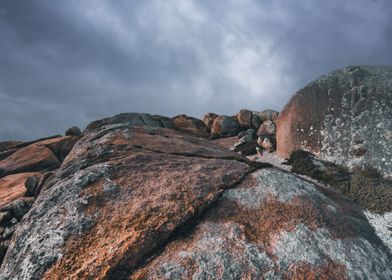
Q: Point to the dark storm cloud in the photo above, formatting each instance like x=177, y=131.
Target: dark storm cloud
x=71, y=62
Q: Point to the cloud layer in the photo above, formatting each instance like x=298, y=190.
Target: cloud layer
x=66, y=63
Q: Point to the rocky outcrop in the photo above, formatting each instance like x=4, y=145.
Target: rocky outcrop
x=275, y=226
x=344, y=117
x=40, y=156
x=190, y=125
x=146, y=202
x=121, y=194
x=132, y=119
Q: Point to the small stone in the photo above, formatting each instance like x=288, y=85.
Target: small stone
x=268, y=128
x=14, y=221
x=21, y=206
x=73, y=131
x=8, y=232
x=4, y=217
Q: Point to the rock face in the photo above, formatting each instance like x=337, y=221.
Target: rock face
x=144, y=202
x=121, y=194
x=344, y=117
x=275, y=226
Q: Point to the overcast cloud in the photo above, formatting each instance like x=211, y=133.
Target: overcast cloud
x=65, y=63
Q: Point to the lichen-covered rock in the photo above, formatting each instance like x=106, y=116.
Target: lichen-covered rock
x=344, y=117
x=121, y=194
x=275, y=226
x=225, y=126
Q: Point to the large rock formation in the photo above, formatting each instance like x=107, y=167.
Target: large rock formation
x=120, y=195
x=275, y=226
x=146, y=202
x=344, y=116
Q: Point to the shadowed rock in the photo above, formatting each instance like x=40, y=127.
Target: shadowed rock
x=225, y=126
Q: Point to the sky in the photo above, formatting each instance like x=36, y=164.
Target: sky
x=66, y=63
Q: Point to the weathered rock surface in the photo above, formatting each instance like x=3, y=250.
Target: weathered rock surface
x=40, y=156
x=121, y=194
x=344, y=117
x=131, y=119
x=275, y=226
x=225, y=126
x=12, y=187
x=190, y=125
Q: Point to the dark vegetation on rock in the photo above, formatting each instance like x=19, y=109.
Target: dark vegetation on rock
x=366, y=186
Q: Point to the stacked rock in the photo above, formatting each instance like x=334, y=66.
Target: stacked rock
x=227, y=126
